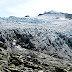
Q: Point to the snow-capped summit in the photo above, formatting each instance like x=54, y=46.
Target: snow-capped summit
x=52, y=11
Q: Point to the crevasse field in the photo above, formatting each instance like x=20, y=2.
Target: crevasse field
x=36, y=44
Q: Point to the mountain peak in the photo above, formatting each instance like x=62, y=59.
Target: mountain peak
x=52, y=11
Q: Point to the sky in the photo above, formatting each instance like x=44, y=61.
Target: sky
x=21, y=8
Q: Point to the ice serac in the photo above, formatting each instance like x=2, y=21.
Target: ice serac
x=52, y=43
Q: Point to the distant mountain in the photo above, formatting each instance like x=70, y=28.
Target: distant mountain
x=53, y=12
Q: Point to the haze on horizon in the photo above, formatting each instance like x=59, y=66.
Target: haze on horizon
x=20, y=8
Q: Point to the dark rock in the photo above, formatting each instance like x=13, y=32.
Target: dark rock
x=40, y=14
x=0, y=32
x=1, y=44
x=5, y=47
x=2, y=39
x=27, y=16
x=59, y=70
x=68, y=16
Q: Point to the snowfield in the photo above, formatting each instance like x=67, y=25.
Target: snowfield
x=56, y=22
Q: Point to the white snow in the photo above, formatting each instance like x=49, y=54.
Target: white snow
x=47, y=21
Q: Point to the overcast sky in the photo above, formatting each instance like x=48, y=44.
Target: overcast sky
x=20, y=8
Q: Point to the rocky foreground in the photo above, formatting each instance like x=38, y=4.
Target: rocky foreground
x=40, y=44
x=24, y=60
